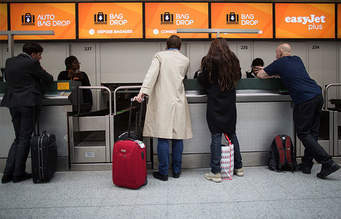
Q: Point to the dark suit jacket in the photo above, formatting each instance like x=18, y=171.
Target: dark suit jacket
x=25, y=80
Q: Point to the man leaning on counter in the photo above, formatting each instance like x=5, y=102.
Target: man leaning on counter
x=308, y=101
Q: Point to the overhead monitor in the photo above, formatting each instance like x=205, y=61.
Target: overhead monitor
x=305, y=20
x=3, y=20
x=110, y=20
x=242, y=16
x=59, y=17
x=163, y=19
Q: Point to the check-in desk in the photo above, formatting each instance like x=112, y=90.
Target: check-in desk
x=92, y=135
x=53, y=118
x=264, y=110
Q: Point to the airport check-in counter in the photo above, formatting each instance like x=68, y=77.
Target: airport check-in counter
x=264, y=110
x=85, y=140
x=56, y=106
x=92, y=135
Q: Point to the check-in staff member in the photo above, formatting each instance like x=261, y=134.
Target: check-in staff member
x=73, y=73
x=308, y=100
x=25, y=79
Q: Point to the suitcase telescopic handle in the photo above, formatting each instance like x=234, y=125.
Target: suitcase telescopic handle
x=121, y=88
x=99, y=88
x=326, y=99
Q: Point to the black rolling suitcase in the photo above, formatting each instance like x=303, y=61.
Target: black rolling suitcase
x=43, y=156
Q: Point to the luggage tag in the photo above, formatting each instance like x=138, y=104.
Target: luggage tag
x=140, y=143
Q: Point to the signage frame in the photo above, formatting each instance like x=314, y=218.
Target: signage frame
x=209, y=38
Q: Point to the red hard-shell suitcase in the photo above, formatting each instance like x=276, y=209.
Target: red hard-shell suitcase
x=129, y=164
x=129, y=168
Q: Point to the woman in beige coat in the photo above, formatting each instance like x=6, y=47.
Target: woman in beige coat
x=167, y=116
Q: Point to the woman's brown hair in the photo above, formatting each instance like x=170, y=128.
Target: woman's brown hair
x=221, y=65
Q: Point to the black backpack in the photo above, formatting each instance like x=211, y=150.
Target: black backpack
x=282, y=154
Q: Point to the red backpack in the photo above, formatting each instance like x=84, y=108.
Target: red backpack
x=282, y=155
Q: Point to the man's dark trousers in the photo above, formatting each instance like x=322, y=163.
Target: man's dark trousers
x=23, y=121
x=307, y=124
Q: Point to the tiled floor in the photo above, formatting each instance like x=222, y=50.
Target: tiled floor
x=261, y=193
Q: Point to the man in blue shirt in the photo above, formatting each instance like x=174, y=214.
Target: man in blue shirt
x=308, y=100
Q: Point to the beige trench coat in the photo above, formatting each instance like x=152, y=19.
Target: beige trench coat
x=167, y=110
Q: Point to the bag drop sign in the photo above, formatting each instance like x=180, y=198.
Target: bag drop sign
x=172, y=16
x=57, y=17
x=243, y=16
x=49, y=20
x=110, y=20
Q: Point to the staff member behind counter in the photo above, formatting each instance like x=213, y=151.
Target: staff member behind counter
x=25, y=80
x=255, y=62
x=73, y=73
x=308, y=101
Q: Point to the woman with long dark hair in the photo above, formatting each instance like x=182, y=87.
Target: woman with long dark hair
x=220, y=73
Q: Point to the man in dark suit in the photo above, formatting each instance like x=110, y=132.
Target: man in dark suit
x=25, y=78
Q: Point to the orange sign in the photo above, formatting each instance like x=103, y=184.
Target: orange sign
x=59, y=17
x=338, y=20
x=3, y=20
x=302, y=20
x=110, y=20
x=163, y=19
x=242, y=16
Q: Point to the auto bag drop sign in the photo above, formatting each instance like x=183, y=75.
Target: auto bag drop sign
x=163, y=19
x=242, y=16
x=3, y=20
x=59, y=17
x=110, y=20
x=305, y=20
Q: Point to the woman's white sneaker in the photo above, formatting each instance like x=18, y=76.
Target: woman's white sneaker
x=213, y=177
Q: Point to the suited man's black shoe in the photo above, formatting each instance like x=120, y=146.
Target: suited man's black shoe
x=22, y=178
x=176, y=175
x=6, y=179
x=160, y=176
x=327, y=169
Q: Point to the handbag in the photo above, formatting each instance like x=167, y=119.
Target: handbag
x=227, y=160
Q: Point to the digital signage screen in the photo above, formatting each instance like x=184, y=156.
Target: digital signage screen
x=163, y=19
x=59, y=17
x=304, y=20
x=110, y=20
x=242, y=16
x=3, y=20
